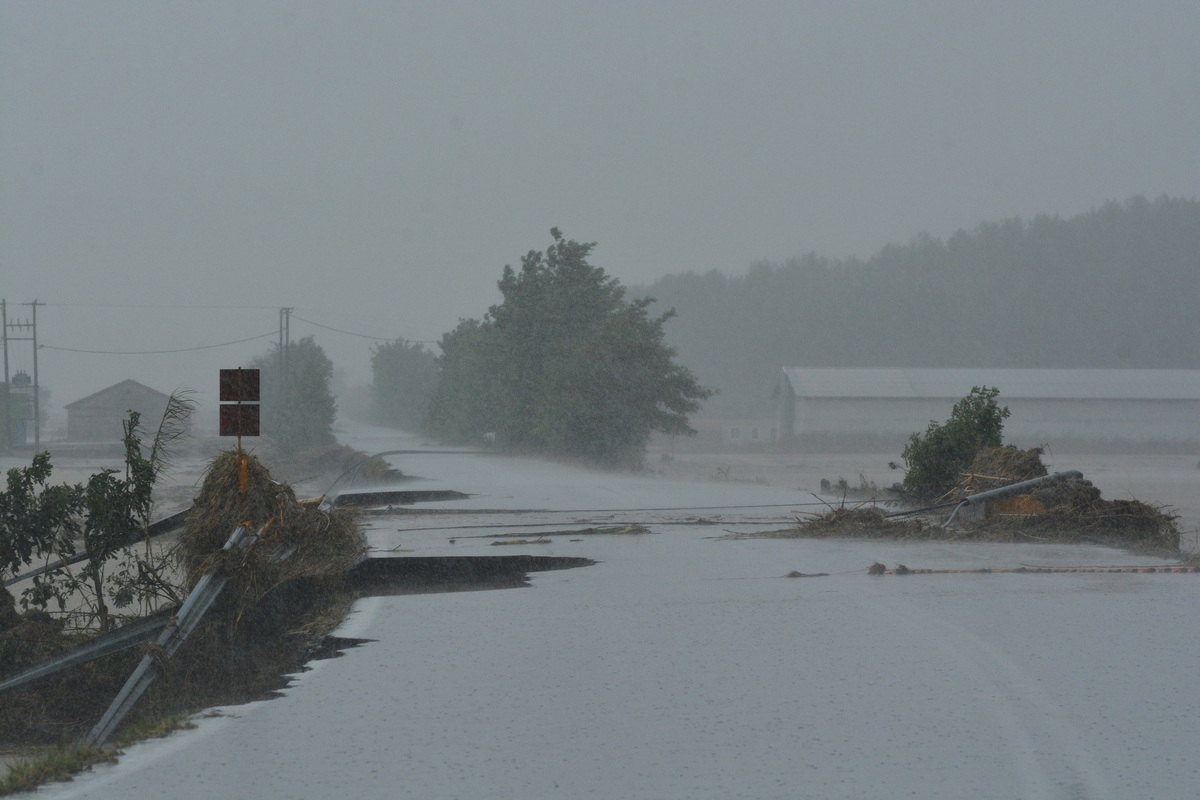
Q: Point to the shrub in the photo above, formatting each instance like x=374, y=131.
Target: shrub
x=934, y=461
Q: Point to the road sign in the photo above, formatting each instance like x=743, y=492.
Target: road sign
x=239, y=403
x=241, y=419
x=239, y=385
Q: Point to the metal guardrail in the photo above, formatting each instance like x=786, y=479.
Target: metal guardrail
x=156, y=528
x=170, y=640
x=123, y=638
x=1012, y=488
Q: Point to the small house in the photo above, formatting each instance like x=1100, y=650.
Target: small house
x=98, y=417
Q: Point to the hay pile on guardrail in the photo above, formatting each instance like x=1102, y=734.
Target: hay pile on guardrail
x=300, y=540
x=1068, y=509
x=1075, y=511
x=285, y=594
x=285, y=589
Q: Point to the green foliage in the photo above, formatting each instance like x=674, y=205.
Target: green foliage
x=35, y=518
x=564, y=366
x=105, y=516
x=298, y=407
x=404, y=376
x=935, y=461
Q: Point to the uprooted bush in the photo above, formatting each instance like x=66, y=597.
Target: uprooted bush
x=935, y=460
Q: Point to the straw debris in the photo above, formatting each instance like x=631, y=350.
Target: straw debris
x=1062, y=510
x=850, y=522
x=299, y=540
x=994, y=467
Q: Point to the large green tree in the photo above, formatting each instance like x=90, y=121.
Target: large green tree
x=403, y=377
x=298, y=407
x=564, y=366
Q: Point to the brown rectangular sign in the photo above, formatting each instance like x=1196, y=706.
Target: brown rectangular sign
x=239, y=384
x=239, y=420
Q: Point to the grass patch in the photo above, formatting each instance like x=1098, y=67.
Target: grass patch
x=61, y=763
x=144, y=728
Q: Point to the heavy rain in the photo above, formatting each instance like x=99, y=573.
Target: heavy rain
x=599, y=400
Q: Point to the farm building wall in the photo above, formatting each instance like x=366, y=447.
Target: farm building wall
x=888, y=421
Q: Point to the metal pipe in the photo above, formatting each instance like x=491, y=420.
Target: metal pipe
x=1015, y=488
x=1012, y=488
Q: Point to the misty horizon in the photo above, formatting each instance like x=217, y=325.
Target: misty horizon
x=174, y=174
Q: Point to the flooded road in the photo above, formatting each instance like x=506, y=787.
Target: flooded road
x=683, y=664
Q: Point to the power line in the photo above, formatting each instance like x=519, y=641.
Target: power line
x=154, y=352
x=159, y=305
x=360, y=335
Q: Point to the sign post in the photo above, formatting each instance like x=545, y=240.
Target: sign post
x=239, y=412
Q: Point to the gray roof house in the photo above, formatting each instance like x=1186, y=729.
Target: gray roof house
x=98, y=417
x=885, y=406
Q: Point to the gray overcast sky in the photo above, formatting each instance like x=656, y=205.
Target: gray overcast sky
x=375, y=165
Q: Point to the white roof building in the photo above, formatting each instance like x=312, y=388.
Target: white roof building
x=1047, y=405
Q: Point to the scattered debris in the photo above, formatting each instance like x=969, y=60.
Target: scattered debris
x=317, y=544
x=842, y=521
x=1063, y=508
x=864, y=490
x=617, y=530
x=880, y=569
x=388, y=499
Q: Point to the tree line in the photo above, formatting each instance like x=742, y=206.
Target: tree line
x=566, y=365
x=1116, y=287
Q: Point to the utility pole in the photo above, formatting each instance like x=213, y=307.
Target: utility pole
x=37, y=417
x=285, y=344
x=32, y=328
x=7, y=397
